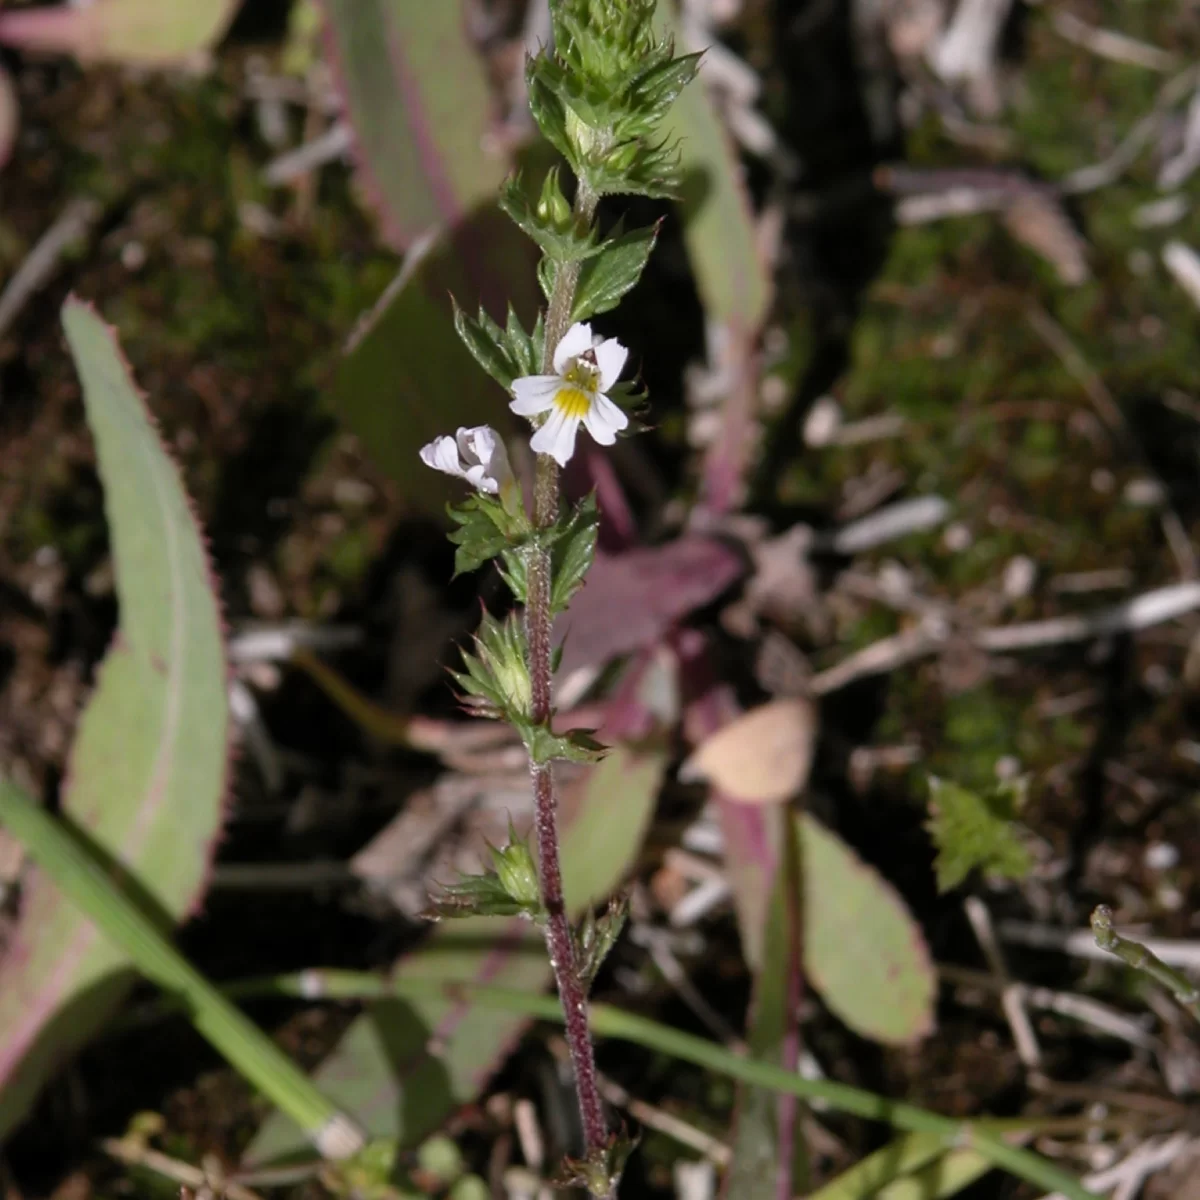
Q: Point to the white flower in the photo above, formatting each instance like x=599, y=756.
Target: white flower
x=585, y=367
x=476, y=455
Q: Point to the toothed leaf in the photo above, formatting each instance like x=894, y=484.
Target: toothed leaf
x=147, y=772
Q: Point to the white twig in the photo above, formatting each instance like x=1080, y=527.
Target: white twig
x=1108, y=43
x=1184, y=264
x=1081, y=943
x=1110, y=169
x=888, y=524
x=278, y=643
x=1176, y=170
x=330, y=146
x=1066, y=1004
x=72, y=225
x=1125, y=1178
x=953, y=202
x=1141, y=612
x=880, y=657
x=967, y=50
x=1158, y=213
x=1150, y=608
x=245, y=711
x=666, y=1123
x=1012, y=999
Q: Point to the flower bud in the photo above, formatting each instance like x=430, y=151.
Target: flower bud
x=552, y=206
x=517, y=872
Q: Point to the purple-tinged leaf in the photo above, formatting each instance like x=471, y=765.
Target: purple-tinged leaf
x=762, y=868
x=631, y=600
x=144, y=32
x=147, y=772
x=722, y=242
x=10, y=115
x=768, y=1154
x=417, y=96
x=862, y=949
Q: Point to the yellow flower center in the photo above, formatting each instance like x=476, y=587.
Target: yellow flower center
x=573, y=403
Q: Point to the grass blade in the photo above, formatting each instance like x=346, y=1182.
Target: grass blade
x=83, y=876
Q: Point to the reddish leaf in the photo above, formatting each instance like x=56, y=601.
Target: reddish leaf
x=631, y=600
x=147, y=32
x=417, y=95
x=9, y=115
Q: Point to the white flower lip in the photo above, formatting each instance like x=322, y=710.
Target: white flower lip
x=475, y=454
x=586, y=366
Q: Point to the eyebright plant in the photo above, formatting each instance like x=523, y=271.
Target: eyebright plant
x=598, y=96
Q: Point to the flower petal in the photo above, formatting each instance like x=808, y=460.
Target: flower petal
x=556, y=437
x=476, y=444
x=479, y=478
x=610, y=358
x=534, y=394
x=604, y=420
x=574, y=342
x=442, y=455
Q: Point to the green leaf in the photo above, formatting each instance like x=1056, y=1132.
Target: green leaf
x=596, y=936
x=144, y=32
x=551, y=224
x=147, y=772
x=475, y=896
x=719, y=229
x=577, y=745
x=609, y=274
x=486, y=342
x=384, y=1069
x=975, y=831
x=862, y=949
x=504, y=353
x=416, y=92
x=496, y=671
x=477, y=537
x=574, y=552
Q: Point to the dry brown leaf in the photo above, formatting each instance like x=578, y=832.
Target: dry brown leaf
x=763, y=757
x=1039, y=221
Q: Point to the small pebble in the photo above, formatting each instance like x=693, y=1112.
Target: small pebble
x=957, y=537
x=822, y=422
x=1158, y=213
x=1019, y=575
x=1144, y=493
x=1161, y=856
x=1008, y=767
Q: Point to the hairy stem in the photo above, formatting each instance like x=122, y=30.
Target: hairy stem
x=538, y=623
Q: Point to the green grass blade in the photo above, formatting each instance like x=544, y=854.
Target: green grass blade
x=615, y=1023
x=83, y=877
